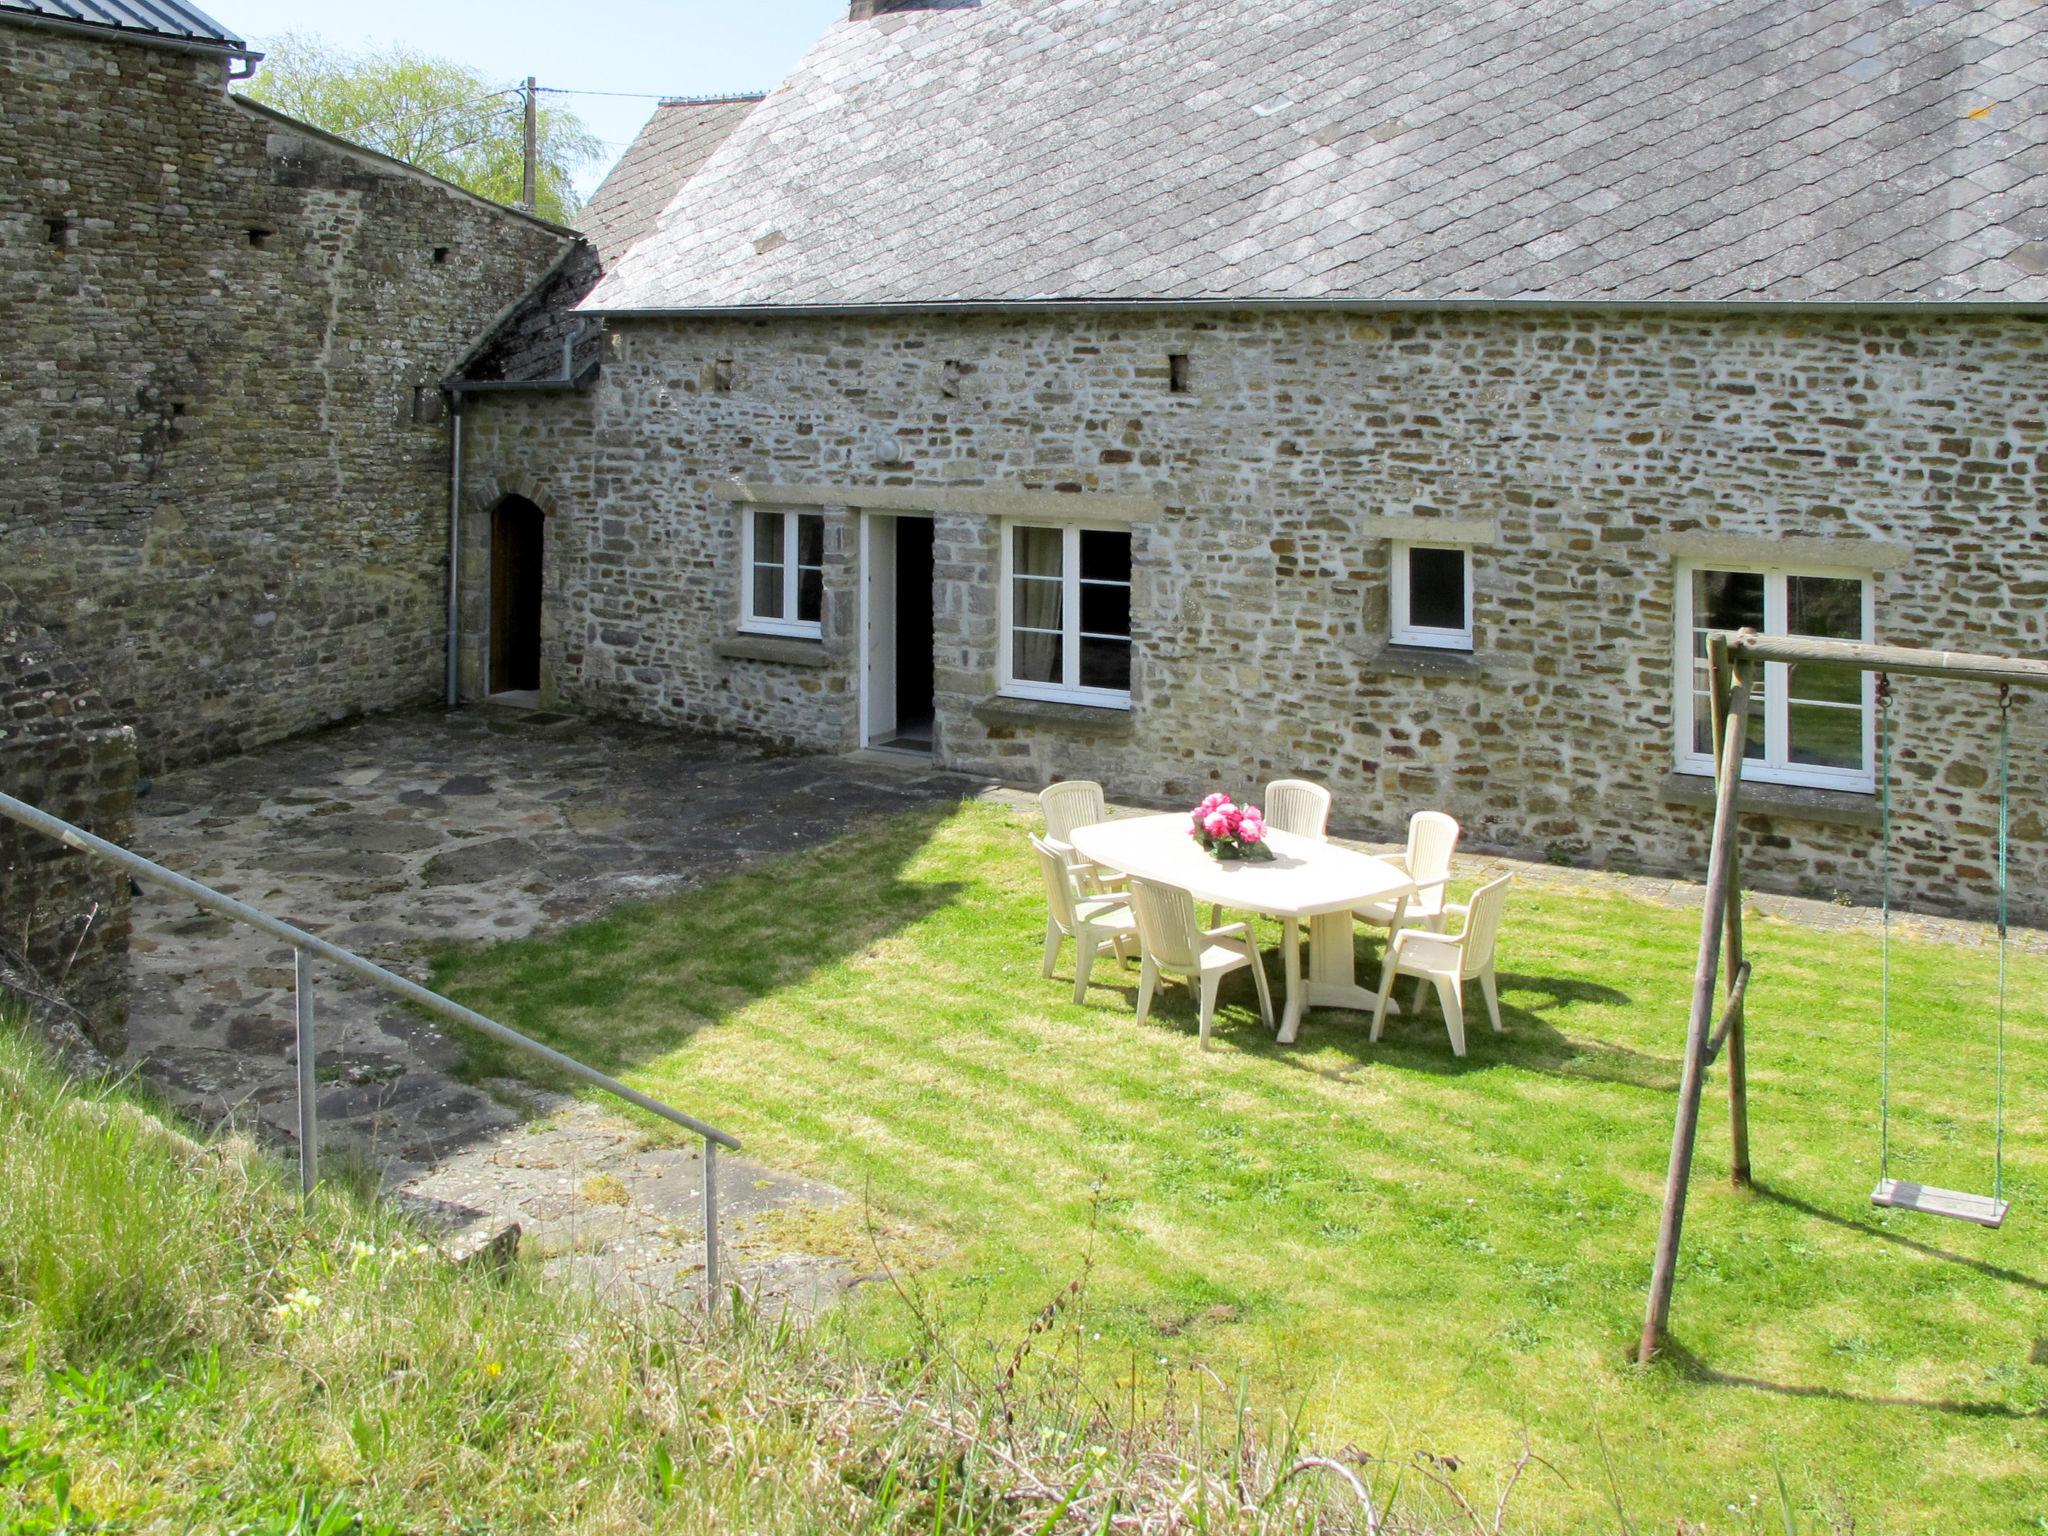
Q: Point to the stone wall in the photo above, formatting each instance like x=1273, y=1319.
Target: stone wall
x=62, y=751
x=227, y=487
x=1585, y=453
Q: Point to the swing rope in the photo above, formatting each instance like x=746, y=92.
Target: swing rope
x=1884, y=784
x=2004, y=893
x=1971, y=1208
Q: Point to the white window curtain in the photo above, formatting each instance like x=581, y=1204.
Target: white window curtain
x=1067, y=614
x=782, y=587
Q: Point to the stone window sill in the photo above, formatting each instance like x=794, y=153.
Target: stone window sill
x=1829, y=807
x=1423, y=661
x=1090, y=719
x=794, y=653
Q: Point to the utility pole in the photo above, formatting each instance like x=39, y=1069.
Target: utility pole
x=529, y=201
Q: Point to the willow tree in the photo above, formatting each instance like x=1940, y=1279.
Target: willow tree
x=436, y=114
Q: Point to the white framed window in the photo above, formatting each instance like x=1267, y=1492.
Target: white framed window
x=1431, y=597
x=1066, y=614
x=1810, y=723
x=782, y=562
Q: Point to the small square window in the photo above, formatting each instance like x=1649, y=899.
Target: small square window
x=259, y=237
x=1432, y=596
x=59, y=231
x=440, y=255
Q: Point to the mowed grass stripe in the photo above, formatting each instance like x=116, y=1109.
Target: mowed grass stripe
x=1457, y=1250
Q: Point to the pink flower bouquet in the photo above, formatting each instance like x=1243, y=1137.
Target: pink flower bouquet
x=1229, y=830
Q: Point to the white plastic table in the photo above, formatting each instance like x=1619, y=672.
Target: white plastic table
x=1305, y=879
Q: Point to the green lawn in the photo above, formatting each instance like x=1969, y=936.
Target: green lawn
x=1427, y=1254
x=187, y=1347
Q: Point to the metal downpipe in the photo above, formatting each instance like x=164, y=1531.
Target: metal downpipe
x=455, y=553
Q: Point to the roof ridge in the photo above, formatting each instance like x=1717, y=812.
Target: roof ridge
x=733, y=99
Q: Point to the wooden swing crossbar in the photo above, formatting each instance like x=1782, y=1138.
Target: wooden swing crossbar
x=1732, y=674
x=1898, y=660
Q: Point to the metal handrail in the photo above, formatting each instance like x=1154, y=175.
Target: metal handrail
x=306, y=947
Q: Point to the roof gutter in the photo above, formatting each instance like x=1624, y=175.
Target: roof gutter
x=1348, y=306
x=242, y=60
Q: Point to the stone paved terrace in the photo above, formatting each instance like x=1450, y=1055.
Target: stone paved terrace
x=395, y=833
x=489, y=824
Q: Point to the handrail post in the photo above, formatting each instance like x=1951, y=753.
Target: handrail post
x=710, y=1226
x=309, y=1109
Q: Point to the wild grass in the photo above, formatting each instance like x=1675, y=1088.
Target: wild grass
x=1436, y=1262
x=184, y=1346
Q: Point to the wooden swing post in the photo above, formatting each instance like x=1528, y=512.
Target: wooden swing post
x=1733, y=660
x=1732, y=732
x=1722, y=682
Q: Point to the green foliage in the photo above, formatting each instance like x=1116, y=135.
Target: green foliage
x=1441, y=1256
x=185, y=1346
x=433, y=113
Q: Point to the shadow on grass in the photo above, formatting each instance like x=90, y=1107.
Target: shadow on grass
x=647, y=978
x=1870, y=1229
x=1686, y=1364
x=1415, y=1040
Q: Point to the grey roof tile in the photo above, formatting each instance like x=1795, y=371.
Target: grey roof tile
x=667, y=152
x=1415, y=149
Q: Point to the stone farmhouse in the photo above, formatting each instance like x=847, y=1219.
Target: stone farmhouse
x=1178, y=394
x=1185, y=394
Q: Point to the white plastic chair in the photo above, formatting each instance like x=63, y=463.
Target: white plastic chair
x=1297, y=806
x=1069, y=804
x=1449, y=961
x=1094, y=923
x=1065, y=806
x=1432, y=839
x=1169, y=941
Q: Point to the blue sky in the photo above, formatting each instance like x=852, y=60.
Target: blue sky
x=661, y=47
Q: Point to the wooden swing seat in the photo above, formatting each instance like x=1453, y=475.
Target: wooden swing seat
x=1903, y=1194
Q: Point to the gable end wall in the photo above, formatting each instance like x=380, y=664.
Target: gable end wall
x=218, y=500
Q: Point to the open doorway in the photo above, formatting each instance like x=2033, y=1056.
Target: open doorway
x=517, y=531
x=897, y=635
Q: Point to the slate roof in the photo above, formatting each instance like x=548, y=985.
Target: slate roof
x=160, y=18
x=668, y=151
x=526, y=345
x=1452, y=151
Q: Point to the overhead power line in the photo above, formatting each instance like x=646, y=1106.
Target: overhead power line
x=567, y=90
